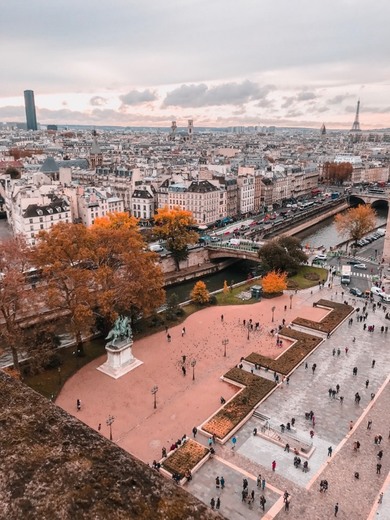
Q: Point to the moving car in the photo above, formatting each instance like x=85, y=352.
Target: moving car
x=376, y=290
x=385, y=297
x=353, y=262
x=320, y=257
x=360, y=266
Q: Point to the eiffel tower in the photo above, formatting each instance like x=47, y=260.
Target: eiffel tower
x=356, y=124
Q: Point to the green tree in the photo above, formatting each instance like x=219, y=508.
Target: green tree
x=282, y=254
x=200, y=294
x=173, y=225
x=172, y=307
x=356, y=222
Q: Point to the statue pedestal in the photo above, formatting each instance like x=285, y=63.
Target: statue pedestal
x=120, y=359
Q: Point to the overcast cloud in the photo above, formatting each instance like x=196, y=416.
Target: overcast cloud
x=220, y=60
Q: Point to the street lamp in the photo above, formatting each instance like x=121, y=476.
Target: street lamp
x=109, y=422
x=291, y=298
x=154, y=393
x=59, y=376
x=193, y=364
x=249, y=325
x=224, y=343
x=273, y=310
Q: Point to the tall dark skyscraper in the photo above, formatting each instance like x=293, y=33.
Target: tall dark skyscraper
x=29, y=104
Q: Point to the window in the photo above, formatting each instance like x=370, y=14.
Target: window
x=41, y=226
x=40, y=219
x=31, y=220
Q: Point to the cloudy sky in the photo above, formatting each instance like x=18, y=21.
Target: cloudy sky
x=220, y=62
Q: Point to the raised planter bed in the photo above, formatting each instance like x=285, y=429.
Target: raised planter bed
x=186, y=458
x=303, y=344
x=339, y=312
x=228, y=417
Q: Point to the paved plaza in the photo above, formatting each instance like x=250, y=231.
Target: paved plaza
x=183, y=402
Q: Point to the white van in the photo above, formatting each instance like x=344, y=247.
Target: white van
x=234, y=242
x=385, y=297
x=156, y=248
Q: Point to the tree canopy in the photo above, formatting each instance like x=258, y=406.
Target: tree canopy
x=173, y=225
x=200, y=294
x=274, y=282
x=101, y=271
x=282, y=254
x=337, y=173
x=356, y=222
x=15, y=297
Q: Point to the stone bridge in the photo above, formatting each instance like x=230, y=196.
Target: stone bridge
x=375, y=199
x=242, y=252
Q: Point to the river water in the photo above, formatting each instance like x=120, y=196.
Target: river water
x=325, y=233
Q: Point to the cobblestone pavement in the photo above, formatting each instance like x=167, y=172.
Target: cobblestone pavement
x=307, y=391
x=203, y=487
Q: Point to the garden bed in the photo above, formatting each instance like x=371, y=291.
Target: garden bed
x=228, y=417
x=339, y=312
x=303, y=344
x=185, y=458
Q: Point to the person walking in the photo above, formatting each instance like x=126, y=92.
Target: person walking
x=183, y=331
x=218, y=503
x=183, y=369
x=169, y=338
x=222, y=317
x=336, y=509
x=378, y=468
x=330, y=450
x=78, y=405
x=212, y=503
x=367, y=383
x=217, y=482
x=194, y=431
x=222, y=481
x=263, y=484
x=262, y=502
x=258, y=481
x=373, y=363
x=273, y=465
x=234, y=440
x=369, y=425
x=314, y=367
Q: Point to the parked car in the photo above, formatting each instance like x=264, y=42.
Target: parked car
x=385, y=297
x=320, y=257
x=356, y=292
x=360, y=266
x=353, y=262
x=376, y=290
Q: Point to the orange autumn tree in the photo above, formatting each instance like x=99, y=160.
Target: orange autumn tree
x=127, y=275
x=174, y=226
x=274, y=282
x=356, y=222
x=200, y=294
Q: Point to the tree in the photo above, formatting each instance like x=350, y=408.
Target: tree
x=127, y=275
x=356, y=222
x=337, y=173
x=225, y=288
x=16, y=297
x=173, y=307
x=274, y=282
x=173, y=225
x=282, y=254
x=200, y=294
x=63, y=254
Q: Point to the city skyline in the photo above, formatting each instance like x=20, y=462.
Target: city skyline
x=146, y=64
